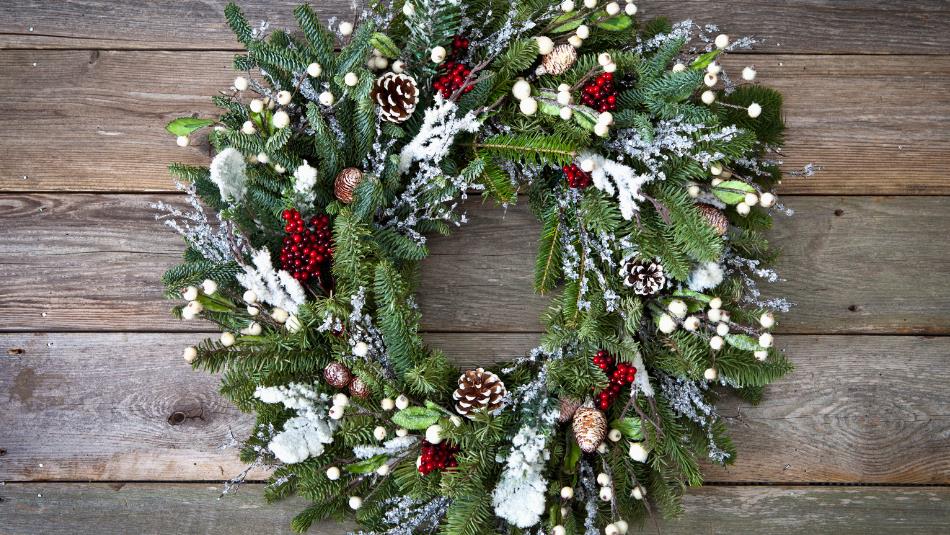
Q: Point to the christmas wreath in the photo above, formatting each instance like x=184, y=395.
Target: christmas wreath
x=339, y=149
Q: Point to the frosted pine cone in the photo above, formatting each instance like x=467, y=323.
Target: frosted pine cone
x=396, y=95
x=714, y=217
x=337, y=375
x=478, y=389
x=590, y=428
x=359, y=388
x=646, y=278
x=558, y=61
x=569, y=406
x=345, y=184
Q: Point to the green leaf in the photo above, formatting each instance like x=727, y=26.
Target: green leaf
x=732, y=191
x=628, y=427
x=615, y=23
x=704, y=60
x=573, y=454
x=416, y=418
x=743, y=341
x=565, y=24
x=585, y=117
x=186, y=125
x=367, y=466
x=384, y=44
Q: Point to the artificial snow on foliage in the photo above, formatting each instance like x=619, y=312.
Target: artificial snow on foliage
x=439, y=128
x=277, y=288
x=305, y=178
x=705, y=276
x=306, y=434
x=229, y=171
x=519, y=496
x=626, y=182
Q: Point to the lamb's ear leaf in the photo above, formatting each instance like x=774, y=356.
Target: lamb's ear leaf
x=416, y=418
x=367, y=466
x=184, y=126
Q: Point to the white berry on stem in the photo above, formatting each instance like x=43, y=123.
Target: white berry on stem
x=182, y=141
x=708, y=97
x=755, y=110
x=710, y=374
x=314, y=70
x=240, y=83
x=545, y=44
x=716, y=343
x=346, y=28
x=722, y=41
x=567, y=493
x=333, y=473
x=190, y=354
x=748, y=74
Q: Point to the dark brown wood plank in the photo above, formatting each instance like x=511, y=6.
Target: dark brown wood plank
x=94, y=121
x=853, y=264
x=113, y=509
x=805, y=26
x=106, y=407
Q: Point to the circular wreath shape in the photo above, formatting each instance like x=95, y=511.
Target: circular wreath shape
x=340, y=149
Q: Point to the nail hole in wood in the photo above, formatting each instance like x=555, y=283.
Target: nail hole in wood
x=839, y=212
x=853, y=308
x=176, y=418
x=3, y=451
x=15, y=351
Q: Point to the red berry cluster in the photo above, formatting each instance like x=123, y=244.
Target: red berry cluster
x=452, y=73
x=600, y=93
x=620, y=376
x=307, y=249
x=437, y=457
x=576, y=178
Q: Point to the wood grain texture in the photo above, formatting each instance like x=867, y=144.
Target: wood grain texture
x=114, y=509
x=126, y=407
x=94, y=121
x=803, y=26
x=853, y=265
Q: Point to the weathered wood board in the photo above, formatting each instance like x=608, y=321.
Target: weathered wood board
x=853, y=265
x=119, y=509
x=94, y=120
x=804, y=26
x=125, y=406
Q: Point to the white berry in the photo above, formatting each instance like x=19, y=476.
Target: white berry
x=638, y=492
x=667, y=324
x=284, y=97
x=227, y=339
x=604, y=58
x=587, y=165
x=710, y=79
x=716, y=343
x=610, y=67
x=564, y=98
x=748, y=74
x=611, y=529
x=379, y=432
x=408, y=9
x=434, y=434
x=567, y=6
x=528, y=106
x=335, y=412
x=401, y=432
x=603, y=479
x=601, y=130
x=240, y=83
x=710, y=374
x=691, y=323
x=262, y=157
x=612, y=8
x=190, y=354
x=767, y=200
x=545, y=45
x=766, y=340
x=558, y=530
x=565, y=113
x=614, y=435
x=438, y=54
x=713, y=68
x=355, y=501
x=606, y=493
x=314, y=69
x=346, y=28
x=715, y=302
x=755, y=110
x=361, y=349
x=714, y=314
x=743, y=209
x=567, y=493
x=716, y=181
x=606, y=118
x=209, y=287
x=521, y=90
x=254, y=329
x=715, y=169
x=767, y=320
x=575, y=41
x=582, y=31
x=248, y=128
x=333, y=473
x=253, y=311
x=280, y=315
x=250, y=297
x=638, y=452
x=590, y=4
x=761, y=355
x=722, y=40
x=340, y=399
x=722, y=329
x=280, y=119
x=622, y=526
x=190, y=293
x=677, y=308
x=751, y=199
x=398, y=66
x=708, y=97
x=693, y=191
x=402, y=402
x=387, y=404
x=630, y=9
x=326, y=98
x=256, y=105
x=182, y=141
x=383, y=470
x=351, y=79
x=679, y=67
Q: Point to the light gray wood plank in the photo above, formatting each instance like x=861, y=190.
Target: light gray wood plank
x=64, y=508
x=804, y=26
x=93, y=262
x=91, y=406
x=94, y=121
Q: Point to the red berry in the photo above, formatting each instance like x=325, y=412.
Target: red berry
x=576, y=178
x=307, y=250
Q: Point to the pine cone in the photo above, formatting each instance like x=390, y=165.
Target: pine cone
x=345, y=184
x=558, y=61
x=590, y=428
x=714, y=217
x=337, y=375
x=569, y=406
x=478, y=389
x=646, y=278
x=396, y=95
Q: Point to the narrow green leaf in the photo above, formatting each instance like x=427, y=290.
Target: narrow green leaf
x=367, y=466
x=416, y=418
x=615, y=23
x=732, y=191
x=384, y=44
x=184, y=126
x=743, y=341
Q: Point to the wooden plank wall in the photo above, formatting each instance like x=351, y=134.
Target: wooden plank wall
x=106, y=430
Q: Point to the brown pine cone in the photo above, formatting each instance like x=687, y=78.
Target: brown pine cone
x=396, y=95
x=646, y=278
x=345, y=184
x=590, y=428
x=569, y=406
x=558, y=61
x=337, y=375
x=359, y=388
x=478, y=389
x=714, y=217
